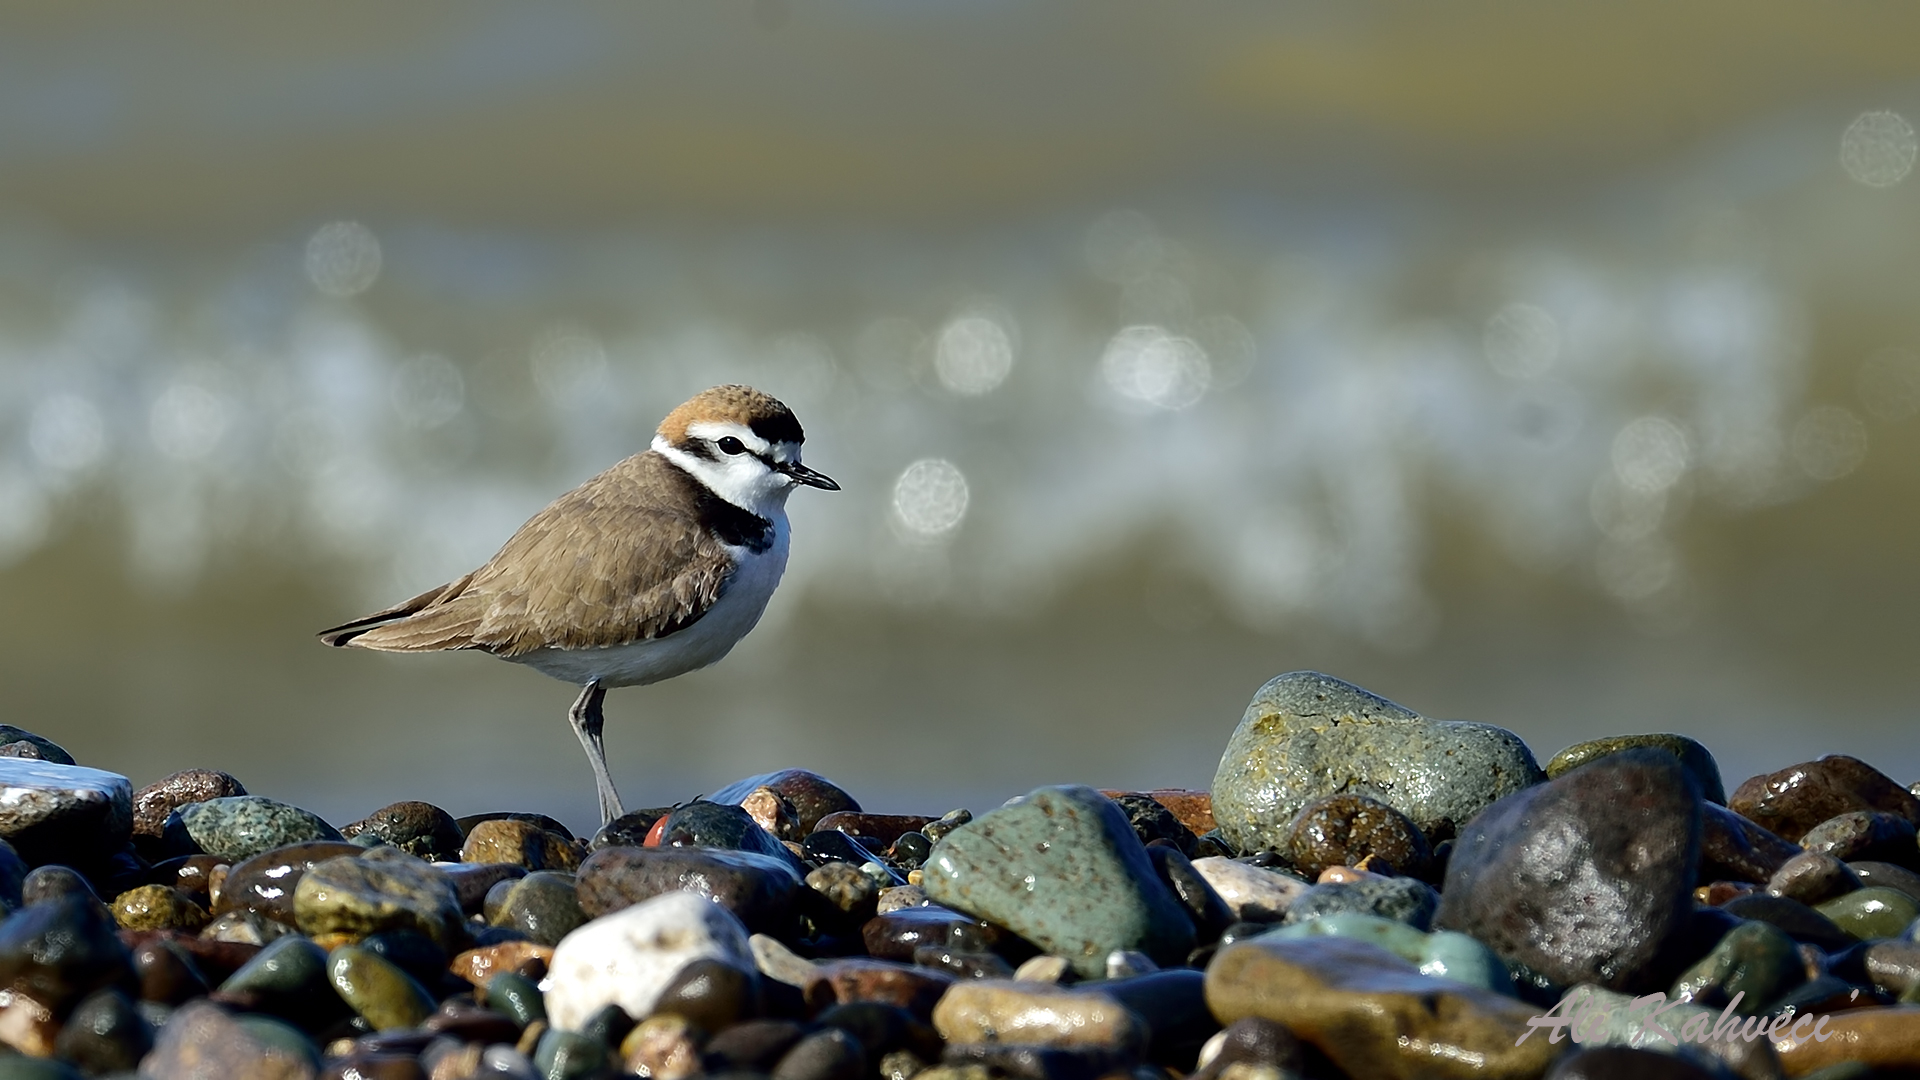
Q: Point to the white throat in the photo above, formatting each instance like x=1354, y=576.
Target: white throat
x=741, y=479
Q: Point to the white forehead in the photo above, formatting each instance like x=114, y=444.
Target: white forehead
x=715, y=430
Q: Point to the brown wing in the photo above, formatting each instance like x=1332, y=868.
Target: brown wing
x=613, y=561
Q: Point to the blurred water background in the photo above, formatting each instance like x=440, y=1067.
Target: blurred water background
x=1554, y=366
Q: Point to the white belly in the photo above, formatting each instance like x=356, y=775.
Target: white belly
x=712, y=637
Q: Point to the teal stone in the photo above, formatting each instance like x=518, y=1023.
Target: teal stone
x=1694, y=757
x=543, y=905
x=1307, y=735
x=566, y=1055
x=1873, y=912
x=1442, y=953
x=517, y=996
x=15, y=1066
x=1401, y=899
x=384, y=995
x=241, y=826
x=1063, y=869
x=1755, y=960
x=385, y=889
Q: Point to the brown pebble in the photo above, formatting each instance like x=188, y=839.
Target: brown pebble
x=1793, y=800
x=1812, y=877
x=1341, y=830
x=1191, y=808
x=521, y=843
x=152, y=804
x=884, y=828
x=522, y=957
x=838, y=982
x=772, y=812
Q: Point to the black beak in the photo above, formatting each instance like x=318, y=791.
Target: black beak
x=800, y=474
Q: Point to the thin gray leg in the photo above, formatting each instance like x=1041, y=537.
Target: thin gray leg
x=587, y=720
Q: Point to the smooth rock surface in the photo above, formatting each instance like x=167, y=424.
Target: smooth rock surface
x=381, y=890
x=1371, y=1012
x=1401, y=899
x=543, y=905
x=1694, y=757
x=1585, y=878
x=1253, y=894
x=1792, y=800
x=629, y=957
x=1307, y=735
x=521, y=843
x=1063, y=869
x=1442, y=953
x=50, y=812
x=241, y=826
x=1887, y=1038
x=1341, y=830
x=1733, y=848
x=203, y=1040
x=1032, y=1014
x=60, y=951
x=811, y=795
x=265, y=884
x=757, y=888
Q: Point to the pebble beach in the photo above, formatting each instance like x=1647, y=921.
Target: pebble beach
x=1363, y=892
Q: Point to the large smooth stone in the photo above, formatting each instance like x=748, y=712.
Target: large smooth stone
x=265, y=884
x=1442, y=953
x=812, y=796
x=1585, y=878
x=385, y=889
x=242, y=826
x=1307, y=735
x=1251, y=893
x=377, y=988
x=201, y=1039
x=1793, y=800
x=1694, y=756
x=1886, y=1039
x=60, y=951
x=1063, y=869
x=1373, y=1013
x=630, y=957
x=1036, y=1014
x=63, y=813
x=757, y=888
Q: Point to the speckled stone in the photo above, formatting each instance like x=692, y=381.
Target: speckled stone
x=771, y=811
x=152, y=804
x=811, y=795
x=1401, y=899
x=418, y=828
x=20, y=743
x=1586, y=878
x=1873, y=912
x=1792, y=800
x=543, y=905
x=663, y=1047
x=521, y=843
x=1372, y=1013
x=242, y=826
x=847, y=890
x=1341, y=830
x=383, y=994
x=384, y=889
x=202, y=1039
x=1308, y=735
x=157, y=907
x=1694, y=757
x=52, y=813
x=1033, y=1014
x=759, y=889
x=265, y=884
x=1251, y=893
x=1866, y=835
x=60, y=951
x=1442, y=953
x=1063, y=869
x=629, y=957
x=480, y=964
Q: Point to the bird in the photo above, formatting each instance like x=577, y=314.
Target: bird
x=654, y=568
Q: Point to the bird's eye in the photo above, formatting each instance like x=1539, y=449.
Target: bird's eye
x=732, y=445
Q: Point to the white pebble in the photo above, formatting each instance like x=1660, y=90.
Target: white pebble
x=628, y=958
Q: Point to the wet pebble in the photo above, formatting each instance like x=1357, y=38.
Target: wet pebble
x=757, y=888
x=1869, y=835
x=1801, y=923
x=1693, y=756
x=1792, y=800
x=418, y=828
x=1872, y=872
x=629, y=957
x=52, y=882
x=811, y=795
x=521, y=843
x=850, y=892
x=51, y=812
x=378, y=989
x=20, y=743
x=383, y=889
x=1401, y=899
x=239, y=827
x=1441, y=953
x=1251, y=893
x=1812, y=877
x=157, y=907
x=60, y=951
x=831, y=1054
x=265, y=884
x=1307, y=735
x=288, y=978
x=543, y=905
x=907, y=986
x=202, y=1039
x=896, y=935
x=1885, y=1039
x=884, y=829
x=1341, y=830
x=1756, y=962
x=1872, y=912
x=1033, y=1014
x=1063, y=869
x=1735, y=849
x=663, y=1047
x=152, y=804
x=104, y=1034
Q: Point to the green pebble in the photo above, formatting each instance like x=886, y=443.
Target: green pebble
x=543, y=905
x=1442, y=953
x=1755, y=959
x=1873, y=912
x=565, y=1055
x=19, y=1067
x=288, y=965
x=1694, y=758
x=378, y=989
x=239, y=827
x=517, y=996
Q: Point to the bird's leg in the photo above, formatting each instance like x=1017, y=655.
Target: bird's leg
x=587, y=720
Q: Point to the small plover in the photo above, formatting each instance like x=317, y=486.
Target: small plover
x=649, y=570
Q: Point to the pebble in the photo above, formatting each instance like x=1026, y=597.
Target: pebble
x=287, y=978
x=1866, y=835
x=711, y=993
x=479, y=965
x=1203, y=906
x=1193, y=809
x=20, y=743
x=1341, y=830
x=1793, y=800
x=811, y=795
x=238, y=827
x=567, y=1055
x=899, y=896
x=1872, y=912
x=1372, y=1013
x=1894, y=966
x=381, y=890
x=1802, y=923
x=418, y=828
x=1812, y=877
x=158, y=907
x=1441, y=953
x=1252, y=894
x=779, y=963
x=897, y=935
x=104, y=1034
x=1886, y=1038
x=1627, y=1063
x=1032, y=1014
x=1694, y=757
x=628, y=957
x=543, y=905
x=851, y=893
x=662, y=1047
x=1586, y=878
x=1734, y=848
x=831, y=1054
x=858, y=979
x=1755, y=959
x=202, y=1039
x=758, y=889
x=1251, y=1041
x=60, y=951
x=521, y=843
x=1063, y=869
x=755, y=1046
x=51, y=882
x=1307, y=735
x=1401, y=899
x=50, y=811
x=383, y=994
x=884, y=829
x=1152, y=821
x=152, y=804
x=1872, y=872
x=265, y=884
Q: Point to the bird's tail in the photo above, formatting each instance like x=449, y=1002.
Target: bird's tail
x=425, y=623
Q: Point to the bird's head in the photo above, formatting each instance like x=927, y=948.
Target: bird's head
x=742, y=444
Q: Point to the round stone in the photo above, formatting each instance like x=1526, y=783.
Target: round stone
x=1694, y=757
x=417, y=828
x=1341, y=830
x=242, y=826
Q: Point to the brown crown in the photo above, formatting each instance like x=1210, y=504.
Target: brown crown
x=743, y=405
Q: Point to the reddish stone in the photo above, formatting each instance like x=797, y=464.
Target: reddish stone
x=1191, y=808
x=1795, y=799
x=839, y=982
x=885, y=828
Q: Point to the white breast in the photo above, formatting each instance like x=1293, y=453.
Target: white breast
x=739, y=608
